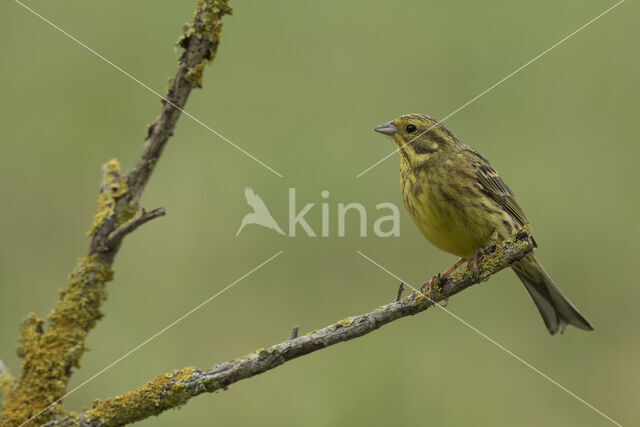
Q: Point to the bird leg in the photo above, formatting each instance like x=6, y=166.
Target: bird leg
x=429, y=284
x=448, y=272
x=473, y=261
x=453, y=267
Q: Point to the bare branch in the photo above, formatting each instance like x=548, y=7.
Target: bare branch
x=176, y=388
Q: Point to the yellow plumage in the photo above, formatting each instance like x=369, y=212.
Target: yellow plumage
x=447, y=222
x=461, y=205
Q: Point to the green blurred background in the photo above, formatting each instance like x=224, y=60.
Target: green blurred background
x=300, y=84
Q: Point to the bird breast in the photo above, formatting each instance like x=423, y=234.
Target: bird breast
x=447, y=214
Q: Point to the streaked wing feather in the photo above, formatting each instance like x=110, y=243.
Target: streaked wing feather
x=494, y=186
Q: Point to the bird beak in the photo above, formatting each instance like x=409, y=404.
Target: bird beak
x=386, y=129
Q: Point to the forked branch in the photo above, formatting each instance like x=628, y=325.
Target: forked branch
x=51, y=349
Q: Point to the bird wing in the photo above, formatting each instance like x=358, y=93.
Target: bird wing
x=255, y=201
x=493, y=186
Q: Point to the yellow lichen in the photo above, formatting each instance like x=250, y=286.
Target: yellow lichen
x=7, y=384
x=206, y=25
x=496, y=260
x=493, y=261
x=113, y=187
x=421, y=301
x=157, y=395
x=49, y=356
x=126, y=212
x=436, y=290
x=253, y=353
x=206, y=19
x=194, y=74
x=344, y=322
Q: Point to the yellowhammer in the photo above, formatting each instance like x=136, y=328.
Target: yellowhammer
x=462, y=206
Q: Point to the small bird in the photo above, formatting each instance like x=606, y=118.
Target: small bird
x=260, y=214
x=461, y=205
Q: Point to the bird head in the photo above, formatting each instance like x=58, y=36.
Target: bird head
x=418, y=138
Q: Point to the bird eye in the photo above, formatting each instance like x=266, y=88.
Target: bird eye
x=411, y=128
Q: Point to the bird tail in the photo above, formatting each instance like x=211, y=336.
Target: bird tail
x=556, y=310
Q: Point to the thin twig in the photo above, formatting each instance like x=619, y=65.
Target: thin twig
x=400, y=291
x=294, y=332
x=115, y=238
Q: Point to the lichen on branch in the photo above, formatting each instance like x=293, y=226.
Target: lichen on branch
x=113, y=187
x=175, y=388
x=49, y=356
x=7, y=382
x=163, y=392
x=206, y=26
x=51, y=350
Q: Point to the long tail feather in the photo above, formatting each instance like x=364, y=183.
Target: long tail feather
x=556, y=310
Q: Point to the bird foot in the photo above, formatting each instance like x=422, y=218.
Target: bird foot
x=429, y=286
x=472, y=262
x=431, y=281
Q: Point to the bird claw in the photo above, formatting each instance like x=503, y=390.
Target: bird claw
x=472, y=263
x=429, y=285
